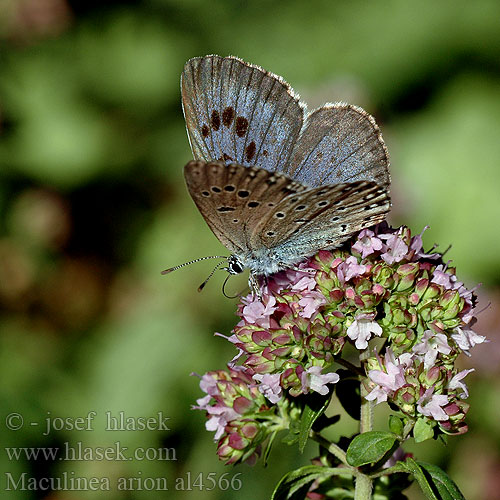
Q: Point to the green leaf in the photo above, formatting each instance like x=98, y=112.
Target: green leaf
x=294, y=484
x=413, y=468
x=369, y=447
x=314, y=407
x=294, y=480
x=267, y=450
x=423, y=430
x=396, y=425
x=445, y=486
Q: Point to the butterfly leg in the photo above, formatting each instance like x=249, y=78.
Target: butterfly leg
x=254, y=286
x=294, y=267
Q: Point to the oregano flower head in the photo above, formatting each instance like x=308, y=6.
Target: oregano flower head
x=403, y=308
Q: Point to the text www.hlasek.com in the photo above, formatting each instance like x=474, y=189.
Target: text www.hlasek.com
x=79, y=452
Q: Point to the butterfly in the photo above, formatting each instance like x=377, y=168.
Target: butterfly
x=274, y=183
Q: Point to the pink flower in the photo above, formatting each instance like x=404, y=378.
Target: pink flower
x=311, y=303
x=367, y=243
x=234, y=340
x=466, y=338
x=431, y=405
x=220, y=416
x=283, y=279
x=430, y=346
x=257, y=313
x=379, y=393
x=350, y=269
x=312, y=379
x=416, y=246
x=441, y=277
x=270, y=386
x=396, y=249
x=219, y=413
x=456, y=382
x=208, y=384
x=361, y=331
x=305, y=283
x=391, y=379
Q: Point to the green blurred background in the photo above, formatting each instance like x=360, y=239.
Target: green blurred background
x=93, y=206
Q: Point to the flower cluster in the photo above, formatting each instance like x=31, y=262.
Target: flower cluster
x=237, y=412
x=379, y=284
x=432, y=393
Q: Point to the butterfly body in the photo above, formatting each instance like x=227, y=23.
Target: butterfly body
x=275, y=186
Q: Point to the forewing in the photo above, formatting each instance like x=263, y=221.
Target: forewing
x=238, y=112
x=339, y=143
x=233, y=198
x=322, y=218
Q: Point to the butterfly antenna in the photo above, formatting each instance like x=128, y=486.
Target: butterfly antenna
x=224, y=289
x=202, y=286
x=167, y=271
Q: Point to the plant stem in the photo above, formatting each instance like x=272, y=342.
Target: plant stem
x=389, y=471
x=364, y=484
x=366, y=419
x=363, y=489
x=332, y=448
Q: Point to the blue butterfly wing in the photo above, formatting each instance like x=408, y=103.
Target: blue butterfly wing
x=237, y=112
x=339, y=143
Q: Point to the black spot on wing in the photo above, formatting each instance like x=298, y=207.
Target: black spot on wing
x=225, y=157
x=250, y=151
x=215, y=120
x=228, y=116
x=241, y=126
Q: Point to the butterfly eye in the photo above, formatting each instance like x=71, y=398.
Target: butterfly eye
x=280, y=215
x=234, y=266
x=322, y=203
x=229, y=188
x=243, y=194
x=253, y=204
x=216, y=189
x=205, y=194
